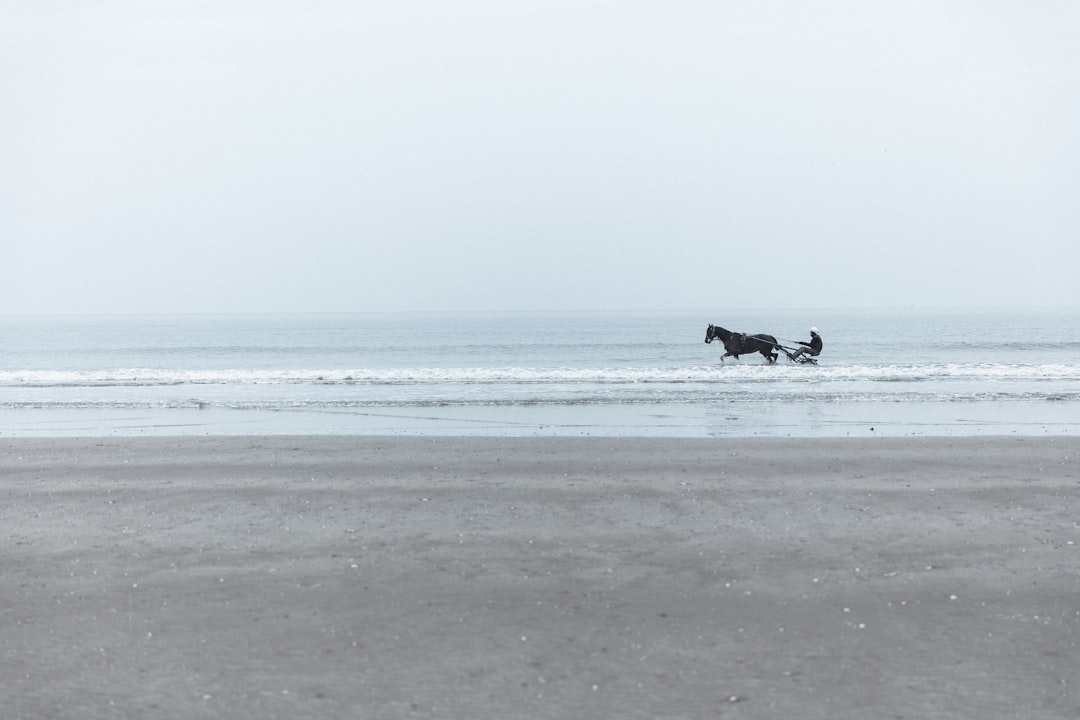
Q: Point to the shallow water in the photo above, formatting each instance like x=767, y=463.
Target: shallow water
x=628, y=373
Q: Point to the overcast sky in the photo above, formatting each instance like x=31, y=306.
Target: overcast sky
x=235, y=156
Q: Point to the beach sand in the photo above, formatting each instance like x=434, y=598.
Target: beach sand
x=381, y=577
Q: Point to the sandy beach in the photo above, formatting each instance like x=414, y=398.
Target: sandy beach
x=381, y=577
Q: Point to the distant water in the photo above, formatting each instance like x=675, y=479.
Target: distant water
x=648, y=373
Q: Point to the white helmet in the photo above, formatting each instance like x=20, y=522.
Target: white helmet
x=813, y=330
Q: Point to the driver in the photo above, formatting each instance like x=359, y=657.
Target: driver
x=812, y=348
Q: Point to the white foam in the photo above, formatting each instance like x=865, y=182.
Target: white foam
x=139, y=377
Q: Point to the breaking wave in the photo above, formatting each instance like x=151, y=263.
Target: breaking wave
x=144, y=377
x=432, y=386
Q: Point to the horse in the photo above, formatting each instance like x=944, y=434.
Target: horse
x=736, y=344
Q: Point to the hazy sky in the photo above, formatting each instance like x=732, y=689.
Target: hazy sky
x=220, y=156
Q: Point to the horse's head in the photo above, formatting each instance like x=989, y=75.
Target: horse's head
x=714, y=332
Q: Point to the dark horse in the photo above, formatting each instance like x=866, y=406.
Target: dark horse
x=737, y=344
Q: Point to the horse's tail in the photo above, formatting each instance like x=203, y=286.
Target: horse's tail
x=775, y=347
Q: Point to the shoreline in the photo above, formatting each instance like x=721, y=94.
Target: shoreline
x=706, y=419
x=539, y=577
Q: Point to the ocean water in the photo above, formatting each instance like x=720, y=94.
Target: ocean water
x=901, y=372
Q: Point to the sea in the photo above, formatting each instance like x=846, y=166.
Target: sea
x=899, y=372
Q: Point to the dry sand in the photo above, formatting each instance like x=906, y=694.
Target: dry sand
x=370, y=577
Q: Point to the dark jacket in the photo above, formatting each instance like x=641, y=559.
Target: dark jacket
x=814, y=345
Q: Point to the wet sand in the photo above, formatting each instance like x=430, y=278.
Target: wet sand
x=381, y=577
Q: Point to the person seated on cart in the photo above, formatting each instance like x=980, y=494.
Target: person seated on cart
x=812, y=348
